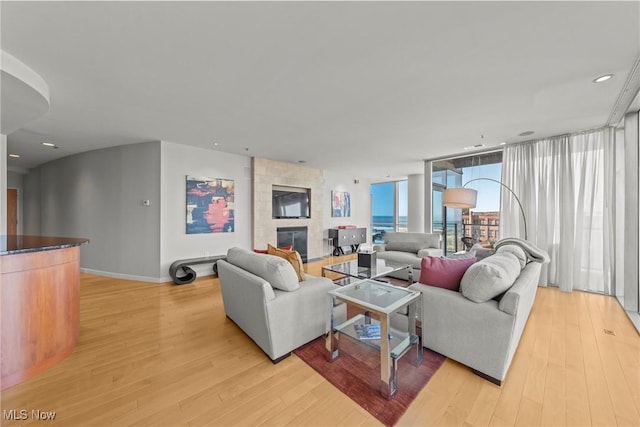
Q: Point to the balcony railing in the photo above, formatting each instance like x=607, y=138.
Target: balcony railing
x=454, y=233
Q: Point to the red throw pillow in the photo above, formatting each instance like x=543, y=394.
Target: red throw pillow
x=444, y=272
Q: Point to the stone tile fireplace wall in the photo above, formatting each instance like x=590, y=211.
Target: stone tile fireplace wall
x=266, y=174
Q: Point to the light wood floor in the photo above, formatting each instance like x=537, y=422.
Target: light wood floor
x=154, y=354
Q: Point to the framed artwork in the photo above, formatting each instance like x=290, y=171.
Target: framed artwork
x=340, y=204
x=210, y=205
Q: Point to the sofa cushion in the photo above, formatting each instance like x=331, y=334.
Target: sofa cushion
x=443, y=272
x=292, y=256
x=275, y=270
x=517, y=251
x=490, y=277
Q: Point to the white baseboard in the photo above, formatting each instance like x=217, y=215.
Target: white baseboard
x=126, y=276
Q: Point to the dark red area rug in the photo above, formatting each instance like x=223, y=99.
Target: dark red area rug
x=356, y=372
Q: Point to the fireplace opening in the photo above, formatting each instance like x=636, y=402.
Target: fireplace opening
x=295, y=237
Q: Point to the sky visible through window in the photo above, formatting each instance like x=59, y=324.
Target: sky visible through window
x=488, y=192
x=382, y=195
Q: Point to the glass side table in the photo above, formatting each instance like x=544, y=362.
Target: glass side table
x=382, y=300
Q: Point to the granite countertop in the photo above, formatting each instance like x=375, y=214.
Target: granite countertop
x=20, y=244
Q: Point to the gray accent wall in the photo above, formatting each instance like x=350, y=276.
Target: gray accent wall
x=99, y=195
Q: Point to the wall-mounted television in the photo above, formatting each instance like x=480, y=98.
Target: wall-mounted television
x=291, y=202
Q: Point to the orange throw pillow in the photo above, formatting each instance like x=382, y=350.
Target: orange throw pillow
x=292, y=256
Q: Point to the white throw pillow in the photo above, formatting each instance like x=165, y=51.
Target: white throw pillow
x=517, y=251
x=490, y=277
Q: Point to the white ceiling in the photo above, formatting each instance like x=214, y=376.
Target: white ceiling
x=370, y=87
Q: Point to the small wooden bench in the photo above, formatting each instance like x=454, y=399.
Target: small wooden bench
x=190, y=274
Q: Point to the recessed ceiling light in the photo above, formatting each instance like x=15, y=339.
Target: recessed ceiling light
x=216, y=144
x=503, y=143
x=49, y=144
x=473, y=147
x=15, y=156
x=603, y=78
x=526, y=133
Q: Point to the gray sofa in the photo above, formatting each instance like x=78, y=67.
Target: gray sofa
x=262, y=295
x=481, y=331
x=408, y=248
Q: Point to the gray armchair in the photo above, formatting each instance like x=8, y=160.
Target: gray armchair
x=409, y=248
x=261, y=295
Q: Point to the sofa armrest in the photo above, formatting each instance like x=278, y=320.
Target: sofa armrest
x=244, y=296
x=297, y=317
x=430, y=252
x=478, y=335
x=520, y=296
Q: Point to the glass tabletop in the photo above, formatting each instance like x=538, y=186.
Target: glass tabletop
x=377, y=296
x=351, y=268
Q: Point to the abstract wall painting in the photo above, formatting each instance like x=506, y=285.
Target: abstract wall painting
x=210, y=205
x=340, y=204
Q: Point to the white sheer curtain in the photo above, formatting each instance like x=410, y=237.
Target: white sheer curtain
x=566, y=186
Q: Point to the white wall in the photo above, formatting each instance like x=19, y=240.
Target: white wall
x=177, y=162
x=619, y=209
x=360, y=202
x=631, y=217
x=415, y=213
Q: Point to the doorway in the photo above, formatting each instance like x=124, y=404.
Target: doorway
x=12, y=211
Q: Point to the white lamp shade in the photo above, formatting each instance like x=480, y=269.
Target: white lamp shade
x=461, y=198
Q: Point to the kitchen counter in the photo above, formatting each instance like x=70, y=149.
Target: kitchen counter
x=40, y=304
x=18, y=244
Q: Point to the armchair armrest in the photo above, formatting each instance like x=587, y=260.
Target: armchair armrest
x=430, y=252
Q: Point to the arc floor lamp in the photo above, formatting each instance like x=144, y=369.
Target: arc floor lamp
x=465, y=198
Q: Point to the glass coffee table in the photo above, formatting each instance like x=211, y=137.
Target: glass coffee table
x=380, y=300
x=350, y=270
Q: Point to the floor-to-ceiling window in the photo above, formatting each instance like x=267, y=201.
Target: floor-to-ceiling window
x=462, y=228
x=389, y=207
